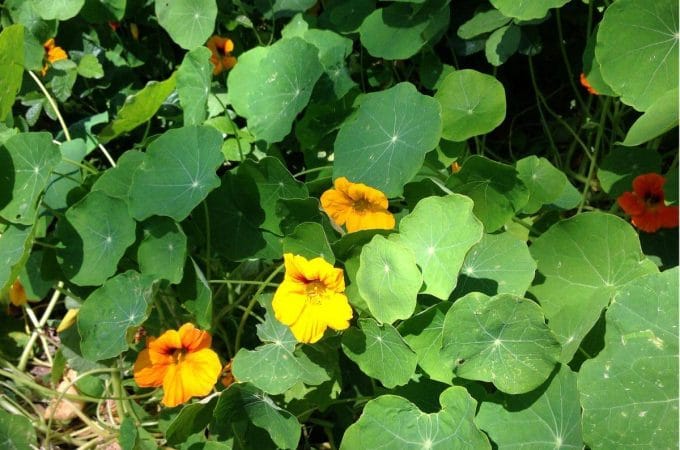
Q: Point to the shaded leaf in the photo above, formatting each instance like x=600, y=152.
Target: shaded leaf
x=193, y=85
x=163, y=249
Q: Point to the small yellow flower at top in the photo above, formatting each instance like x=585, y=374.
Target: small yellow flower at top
x=53, y=53
x=221, y=49
x=357, y=206
x=310, y=298
x=17, y=294
x=181, y=361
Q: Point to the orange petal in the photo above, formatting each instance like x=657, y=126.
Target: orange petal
x=193, y=339
x=631, y=204
x=146, y=373
x=194, y=376
x=668, y=216
x=649, y=183
x=161, y=349
x=337, y=205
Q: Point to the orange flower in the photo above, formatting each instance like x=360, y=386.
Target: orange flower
x=357, y=206
x=227, y=375
x=221, y=49
x=310, y=298
x=646, y=204
x=181, y=361
x=53, y=53
x=586, y=84
x=17, y=294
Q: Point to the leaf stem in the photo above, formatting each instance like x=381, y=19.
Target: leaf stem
x=23, y=360
x=596, y=150
x=52, y=103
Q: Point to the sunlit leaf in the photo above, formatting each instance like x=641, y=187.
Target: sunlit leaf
x=188, y=22
x=526, y=9
x=11, y=66
x=57, y=9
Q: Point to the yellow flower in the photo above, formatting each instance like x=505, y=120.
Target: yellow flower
x=17, y=294
x=181, y=361
x=311, y=298
x=221, y=49
x=357, y=206
x=53, y=53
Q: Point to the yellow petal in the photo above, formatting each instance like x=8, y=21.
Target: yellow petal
x=310, y=326
x=288, y=302
x=146, y=373
x=337, y=311
x=68, y=320
x=194, y=376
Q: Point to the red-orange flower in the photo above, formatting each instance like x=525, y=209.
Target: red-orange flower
x=181, y=361
x=53, y=53
x=646, y=204
x=17, y=294
x=586, y=84
x=221, y=49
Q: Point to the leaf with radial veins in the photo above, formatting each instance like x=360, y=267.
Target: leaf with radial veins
x=392, y=422
x=641, y=66
x=384, y=144
x=108, y=314
x=549, y=417
x=502, y=339
x=188, y=22
x=498, y=264
x=193, y=85
x=380, y=352
x=162, y=252
x=440, y=231
x=95, y=234
x=472, y=103
x=389, y=279
x=584, y=260
x=629, y=391
x=26, y=162
x=270, y=85
x=177, y=173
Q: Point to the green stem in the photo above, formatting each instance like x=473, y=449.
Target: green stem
x=23, y=360
x=52, y=103
x=544, y=122
x=251, y=305
x=312, y=170
x=258, y=283
x=596, y=150
x=567, y=64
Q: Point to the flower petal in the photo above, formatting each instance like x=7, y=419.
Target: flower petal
x=310, y=326
x=193, y=339
x=337, y=311
x=194, y=376
x=668, y=216
x=289, y=301
x=631, y=203
x=649, y=184
x=146, y=373
x=162, y=348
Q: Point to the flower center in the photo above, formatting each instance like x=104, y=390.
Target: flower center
x=652, y=199
x=315, y=291
x=178, y=355
x=361, y=205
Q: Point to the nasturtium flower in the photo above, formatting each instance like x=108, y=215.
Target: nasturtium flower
x=53, y=53
x=221, y=49
x=586, y=84
x=17, y=294
x=357, y=206
x=181, y=361
x=310, y=298
x=646, y=204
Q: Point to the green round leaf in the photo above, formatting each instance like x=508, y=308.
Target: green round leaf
x=172, y=180
x=544, y=181
x=440, y=231
x=309, y=240
x=549, y=418
x=193, y=85
x=584, y=260
x=502, y=44
x=388, y=279
x=11, y=66
x=399, y=31
x=423, y=332
x=116, y=181
x=250, y=417
x=498, y=264
x=651, y=50
x=66, y=176
x=57, y=9
x=495, y=188
x=95, y=234
x=26, y=162
x=481, y=23
x=629, y=391
x=162, y=252
x=15, y=245
x=621, y=165
x=270, y=85
x=660, y=117
x=472, y=103
x=591, y=67
x=107, y=316
x=188, y=22
x=502, y=339
x=380, y=352
x=393, y=422
x=384, y=144
x=526, y=9
x=16, y=432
